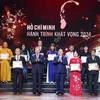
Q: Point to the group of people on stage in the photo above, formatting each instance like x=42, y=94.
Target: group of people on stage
x=73, y=65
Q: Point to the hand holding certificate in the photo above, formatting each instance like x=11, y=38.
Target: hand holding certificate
x=93, y=66
x=75, y=67
x=17, y=64
x=4, y=56
x=51, y=57
x=25, y=56
x=83, y=58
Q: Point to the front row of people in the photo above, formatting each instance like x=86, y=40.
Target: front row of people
x=60, y=62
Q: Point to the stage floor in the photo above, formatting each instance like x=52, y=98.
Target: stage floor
x=46, y=96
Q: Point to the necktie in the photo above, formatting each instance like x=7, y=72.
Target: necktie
x=93, y=58
x=17, y=58
x=60, y=57
x=37, y=55
x=40, y=48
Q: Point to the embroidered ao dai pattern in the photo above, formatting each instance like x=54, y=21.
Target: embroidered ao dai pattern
x=75, y=79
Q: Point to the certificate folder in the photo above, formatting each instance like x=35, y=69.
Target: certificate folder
x=83, y=59
x=4, y=56
x=17, y=64
x=51, y=57
x=25, y=56
x=75, y=67
x=93, y=66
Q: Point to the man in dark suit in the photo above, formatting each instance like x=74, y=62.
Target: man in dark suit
x=37, y=60
x=60, y=64
x=17, y=71
x=42, y=48
x=93, y=74
x=43, y=52
x=85, y=53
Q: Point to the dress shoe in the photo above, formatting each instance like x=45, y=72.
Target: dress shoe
x=34, y=93
x=14, y=93
x=19, y=92
x=90, y=93
x=39, y=93
x=62, y=93
x=95, y=94
x=57, y=93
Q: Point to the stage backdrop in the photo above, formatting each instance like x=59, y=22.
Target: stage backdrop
x=62, y=22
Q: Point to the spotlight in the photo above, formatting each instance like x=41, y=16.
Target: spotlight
x=19, y=21
x=9, y=29
x=14, y=26
x=95, y=25
x=24, y=24
x=86, y=18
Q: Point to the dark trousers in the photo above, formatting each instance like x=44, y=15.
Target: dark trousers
x=93, y=78
x=37, y=82
x=84, y=71
x=60, y=78
x=68, y=74
x=17, y=80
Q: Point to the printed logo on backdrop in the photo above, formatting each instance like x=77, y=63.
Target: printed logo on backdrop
x=50, y=31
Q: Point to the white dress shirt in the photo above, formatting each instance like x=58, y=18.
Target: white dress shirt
x=69, y=55
x=17, y=57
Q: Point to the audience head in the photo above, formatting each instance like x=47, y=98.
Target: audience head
x=93, y=52
x=5, y=45
x=85, y=48
x=23, y=46
x=52, y=46
x=71, y=48
x=37, y=50
x=40, y=42
x=17, y=51
x=60, y=52
x=76, y=54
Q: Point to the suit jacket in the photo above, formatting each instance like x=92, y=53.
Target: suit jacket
x=43, y=50
x=37, y=67
x=60, y=66
x=85, y=54
x=96, y=60
x=20, y=59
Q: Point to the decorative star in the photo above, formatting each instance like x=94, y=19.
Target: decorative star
x=57, y=39
x=9, y=36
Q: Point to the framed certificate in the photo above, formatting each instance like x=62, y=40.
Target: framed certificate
x=93, y=66
x=4, y=56
x=83, y=58
x=51, y=57
x=75, y=67
x=25, y=56
x=17, y=64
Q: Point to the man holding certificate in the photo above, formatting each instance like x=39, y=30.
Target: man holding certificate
x=93, y=62
x=84, y=56
x=60, y=62
x=69, y=55
x=17, y=63
x=37, y=60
